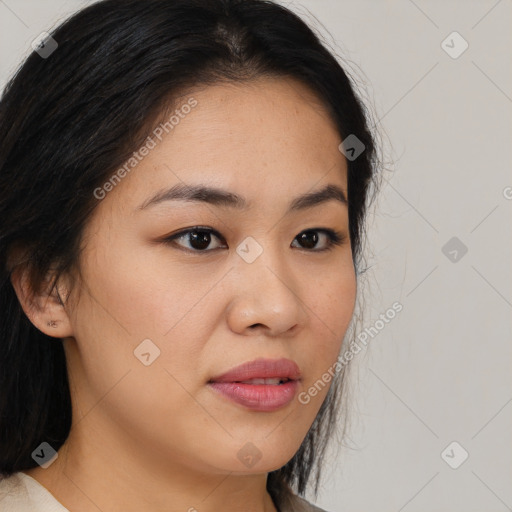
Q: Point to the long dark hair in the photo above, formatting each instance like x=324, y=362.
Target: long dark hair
x=69, y=119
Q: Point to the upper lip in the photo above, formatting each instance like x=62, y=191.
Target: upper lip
x=261, y=369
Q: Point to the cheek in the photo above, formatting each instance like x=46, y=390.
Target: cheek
x=332, y=302
x=332, y=308
x=125, y=303
x=149, y=401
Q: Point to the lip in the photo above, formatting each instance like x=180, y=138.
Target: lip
x=261, y=369
x=259, y=397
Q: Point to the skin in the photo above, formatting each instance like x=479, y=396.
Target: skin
x=157, y=438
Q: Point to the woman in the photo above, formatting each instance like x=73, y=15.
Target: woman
x=183, y=193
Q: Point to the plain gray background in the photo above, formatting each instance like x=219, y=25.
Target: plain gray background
x=440, y=371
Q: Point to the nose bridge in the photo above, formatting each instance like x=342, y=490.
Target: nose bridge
x=265, y=290
x=264, y=264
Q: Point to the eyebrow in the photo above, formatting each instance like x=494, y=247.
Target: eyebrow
x=224, y=198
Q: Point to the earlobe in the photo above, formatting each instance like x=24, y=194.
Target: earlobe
x=45, y=309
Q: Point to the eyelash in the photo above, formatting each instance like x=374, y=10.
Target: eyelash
x=335, y=238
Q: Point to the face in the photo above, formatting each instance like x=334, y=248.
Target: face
x=163, y=307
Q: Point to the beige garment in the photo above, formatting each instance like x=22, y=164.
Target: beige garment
x=297, y=504
x=22, y=493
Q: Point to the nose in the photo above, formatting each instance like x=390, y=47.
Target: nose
x=267, y=297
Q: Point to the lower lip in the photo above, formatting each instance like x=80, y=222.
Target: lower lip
x=258, y=397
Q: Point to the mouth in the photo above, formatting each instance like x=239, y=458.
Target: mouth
x=263, y=385
x=266, y=382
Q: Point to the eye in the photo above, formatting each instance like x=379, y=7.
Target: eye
x=198, y=239
x=309, y=239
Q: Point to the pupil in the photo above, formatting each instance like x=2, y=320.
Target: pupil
x=310, y=234
x=200, y=239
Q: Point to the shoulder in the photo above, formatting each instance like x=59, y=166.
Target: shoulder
x=295, y=503
x=22, y=493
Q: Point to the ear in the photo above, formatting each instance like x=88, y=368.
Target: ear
x=45, y=308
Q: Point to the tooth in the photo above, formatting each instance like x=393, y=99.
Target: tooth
x=262, y=381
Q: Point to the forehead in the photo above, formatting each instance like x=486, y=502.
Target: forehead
x=268, y=138
x=261, y=108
